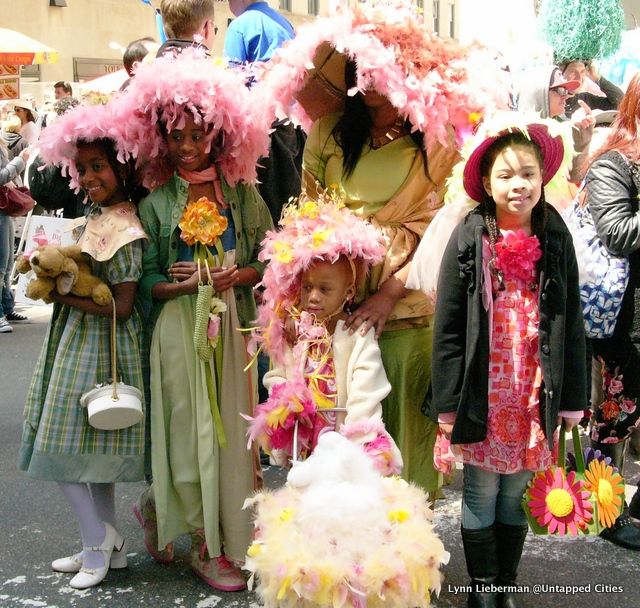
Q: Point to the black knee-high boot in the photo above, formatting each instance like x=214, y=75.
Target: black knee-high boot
x=624, y=532
x=482, y=565
x=509, y=544
x=634, y=505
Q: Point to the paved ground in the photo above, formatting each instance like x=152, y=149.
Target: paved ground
x=36, y=527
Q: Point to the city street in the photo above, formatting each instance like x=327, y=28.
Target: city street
x=36, y=527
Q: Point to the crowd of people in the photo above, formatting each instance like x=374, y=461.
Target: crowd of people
x=458, y=327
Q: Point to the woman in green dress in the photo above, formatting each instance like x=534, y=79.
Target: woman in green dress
x=369, y=153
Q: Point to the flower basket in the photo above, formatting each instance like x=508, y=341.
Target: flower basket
x=565, y=502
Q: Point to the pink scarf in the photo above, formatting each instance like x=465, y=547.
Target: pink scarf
x=210, y=174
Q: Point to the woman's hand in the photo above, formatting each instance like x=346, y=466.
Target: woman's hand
x=24, y=155
x=375, y=310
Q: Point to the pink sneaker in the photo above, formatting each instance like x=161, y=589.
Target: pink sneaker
x=145, y=512
x=217, y=572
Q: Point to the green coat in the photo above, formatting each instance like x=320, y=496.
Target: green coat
x=160, y=213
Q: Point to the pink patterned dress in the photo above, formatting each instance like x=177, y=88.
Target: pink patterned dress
x=515, y=441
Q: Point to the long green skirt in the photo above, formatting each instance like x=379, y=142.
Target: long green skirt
x=406, y=355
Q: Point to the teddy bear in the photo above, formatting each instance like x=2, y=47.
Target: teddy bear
x=64, y=269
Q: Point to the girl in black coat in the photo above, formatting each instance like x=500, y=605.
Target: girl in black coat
x=508, y=347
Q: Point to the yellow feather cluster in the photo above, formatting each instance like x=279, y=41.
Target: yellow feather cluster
x=340, y=560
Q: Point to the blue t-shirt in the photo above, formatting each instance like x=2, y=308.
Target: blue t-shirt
x=256, y=34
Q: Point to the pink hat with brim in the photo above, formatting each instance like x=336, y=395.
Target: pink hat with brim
x=552, y=150
x=558, y=80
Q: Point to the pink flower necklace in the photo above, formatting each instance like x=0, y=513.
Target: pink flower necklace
x=516, y=255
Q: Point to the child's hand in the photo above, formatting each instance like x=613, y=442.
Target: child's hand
x=181, y=271
x=446, y=428
x=224, y=278
x=568, y=423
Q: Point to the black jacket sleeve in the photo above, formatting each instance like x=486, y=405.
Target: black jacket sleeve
x=49, y=187
x=449, y=332
x=610, y=192
x=575, y=392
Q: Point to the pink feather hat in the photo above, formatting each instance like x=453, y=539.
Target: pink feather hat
x=433, y=82
x=59, y=141
x=167, y=87
x=309, y=231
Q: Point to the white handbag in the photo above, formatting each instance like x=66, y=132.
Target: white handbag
x=113, y=406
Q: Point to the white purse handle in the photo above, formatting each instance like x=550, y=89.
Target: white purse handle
x=114, y=356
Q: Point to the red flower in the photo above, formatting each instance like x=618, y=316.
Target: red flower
x=610, y=410
x=517, y=254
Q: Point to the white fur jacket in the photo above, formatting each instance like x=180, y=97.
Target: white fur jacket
x=361, y=385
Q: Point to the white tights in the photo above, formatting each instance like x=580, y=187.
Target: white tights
x=93, y=504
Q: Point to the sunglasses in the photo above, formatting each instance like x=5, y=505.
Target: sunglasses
x=562, y=91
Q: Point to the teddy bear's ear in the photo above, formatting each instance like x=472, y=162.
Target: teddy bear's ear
x=22, y=265
x=64, y=282
x=67, y=276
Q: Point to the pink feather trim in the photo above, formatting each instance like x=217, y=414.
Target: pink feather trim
x=381, y=449
x=273, y=424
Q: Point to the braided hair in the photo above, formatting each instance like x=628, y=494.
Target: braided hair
x=539, y=213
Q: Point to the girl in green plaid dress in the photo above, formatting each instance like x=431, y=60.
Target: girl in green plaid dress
x=57, y=442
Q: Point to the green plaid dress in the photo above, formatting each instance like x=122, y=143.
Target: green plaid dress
x=57, y=441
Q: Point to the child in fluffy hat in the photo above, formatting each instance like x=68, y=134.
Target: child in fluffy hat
x=197, y=137
x=343, y=531
x=316, y=260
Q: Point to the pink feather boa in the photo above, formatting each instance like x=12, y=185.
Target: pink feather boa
x=273, y=424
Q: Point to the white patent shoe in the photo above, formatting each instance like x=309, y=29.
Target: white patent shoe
x=90, y=577
x=73, y=563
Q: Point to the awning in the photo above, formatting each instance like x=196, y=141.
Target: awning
x=18, y=49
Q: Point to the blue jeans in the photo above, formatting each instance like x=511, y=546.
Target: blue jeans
x=6, y=262
x=488, y=497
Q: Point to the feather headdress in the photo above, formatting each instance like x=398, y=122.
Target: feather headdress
x=168, y=87
x=309, y=231
x=59, y=141
x=433, y=82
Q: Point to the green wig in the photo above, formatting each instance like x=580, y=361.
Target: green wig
x=581, y=29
